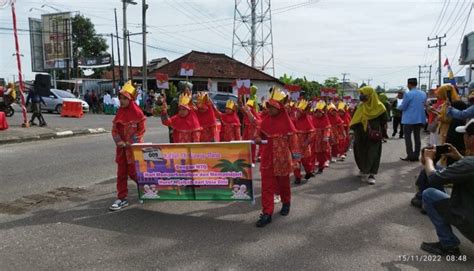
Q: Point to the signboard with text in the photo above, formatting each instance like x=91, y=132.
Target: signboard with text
x=194, y=171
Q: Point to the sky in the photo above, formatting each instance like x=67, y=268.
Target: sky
x=381, y=40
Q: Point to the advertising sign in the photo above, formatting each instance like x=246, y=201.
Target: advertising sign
x=57, y=41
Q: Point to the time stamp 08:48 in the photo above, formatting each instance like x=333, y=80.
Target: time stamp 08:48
x=432, y=258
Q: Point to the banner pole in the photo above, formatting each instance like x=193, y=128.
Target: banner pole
x=20, y=75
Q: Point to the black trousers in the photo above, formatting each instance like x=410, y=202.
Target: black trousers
x=397, y=121
x=408, y=130
x=37, y=113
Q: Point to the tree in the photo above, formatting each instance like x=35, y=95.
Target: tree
x=379, y=89
x=86, y=42
x=287, y=79
x=238, y=165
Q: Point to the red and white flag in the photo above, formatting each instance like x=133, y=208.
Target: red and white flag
x=187, y=69
x=162, y=81
x=243, y=87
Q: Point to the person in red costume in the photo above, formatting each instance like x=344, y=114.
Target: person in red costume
x=185, y=124
x=322, y=146
x=206, y=114
x=337, y=131
x=128, y=128
x=251, y=121
x=278, y=155
x=230, y=129
x=305, y=131
x=343, y=111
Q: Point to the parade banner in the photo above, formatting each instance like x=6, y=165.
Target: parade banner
x=187, y=69
x=194, y=171
x=162, y=81
x=243, y=87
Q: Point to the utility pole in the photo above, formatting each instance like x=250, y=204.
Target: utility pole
x=368, y=81
x=118, y=49
x=113, y=60
x=253, y=41
x=344, y=74
x=422, y=71
x=384, y=83
x=125, y=35
x=145, y=62
x=130, y=57
x=438, y=45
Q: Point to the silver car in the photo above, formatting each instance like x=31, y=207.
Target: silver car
x=54, y=102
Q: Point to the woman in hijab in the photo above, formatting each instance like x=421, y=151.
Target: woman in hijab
x=368, y=122
x=447, y=93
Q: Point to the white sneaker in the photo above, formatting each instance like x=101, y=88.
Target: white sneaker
x=333, y=160
x=118, y=204
x=253, y=165
x=276, y=198
x=371, y=180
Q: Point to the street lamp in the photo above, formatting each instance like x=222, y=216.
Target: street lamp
x=49, y=6
x=125, y=33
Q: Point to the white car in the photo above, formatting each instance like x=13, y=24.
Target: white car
x=54, y=102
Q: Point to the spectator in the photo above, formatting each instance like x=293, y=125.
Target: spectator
x=413, y=118
x=433, y=120
x=36, y=101
x=463, y=114
x=448, y=94
x=87, y=98
x=95, y=102
x=397, y=116
x=452, y=137
x=457, y=210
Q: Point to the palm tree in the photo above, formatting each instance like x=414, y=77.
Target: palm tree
x=238, y=165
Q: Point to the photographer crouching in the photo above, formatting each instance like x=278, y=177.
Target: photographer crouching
x=457, y=210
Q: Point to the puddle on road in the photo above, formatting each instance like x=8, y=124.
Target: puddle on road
x=22, y=205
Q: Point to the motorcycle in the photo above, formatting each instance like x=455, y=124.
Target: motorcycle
x=7, y=109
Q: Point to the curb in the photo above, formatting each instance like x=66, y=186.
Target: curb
x=52, y=135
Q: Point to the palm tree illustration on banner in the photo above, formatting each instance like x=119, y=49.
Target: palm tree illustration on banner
x=238, y=165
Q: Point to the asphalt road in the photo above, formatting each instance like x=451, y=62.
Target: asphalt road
x=336, y=222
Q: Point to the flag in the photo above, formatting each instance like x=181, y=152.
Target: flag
x=162, y=81
x=450, y=73
x=243, y=87
x=187, y=69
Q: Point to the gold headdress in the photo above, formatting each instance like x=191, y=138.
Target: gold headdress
x=230, y=104
x=202, y=98
x=129, y=91
x=302, y=105
x=184, y=100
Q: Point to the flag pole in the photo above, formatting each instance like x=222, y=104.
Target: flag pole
x=18, y=62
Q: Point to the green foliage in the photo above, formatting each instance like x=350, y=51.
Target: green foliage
x=238, y=165
x=86, y=42
x=311, y=88
x=287, y=79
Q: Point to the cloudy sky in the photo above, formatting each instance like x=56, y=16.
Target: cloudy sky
x=382, y=40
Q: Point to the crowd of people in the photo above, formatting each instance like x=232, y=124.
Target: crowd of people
x=290, y=136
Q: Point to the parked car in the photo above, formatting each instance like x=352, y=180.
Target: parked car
x=220, y=99
x=54, y=102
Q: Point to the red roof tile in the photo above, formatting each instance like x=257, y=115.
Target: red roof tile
x=212, y=65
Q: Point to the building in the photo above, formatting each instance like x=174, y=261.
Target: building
x=350, y=89
x=220, y=68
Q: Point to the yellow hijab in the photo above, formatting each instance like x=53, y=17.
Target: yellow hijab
x=442, y=93
x=370, y=109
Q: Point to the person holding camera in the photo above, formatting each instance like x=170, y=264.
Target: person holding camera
x=455, y=210
x=464, y=114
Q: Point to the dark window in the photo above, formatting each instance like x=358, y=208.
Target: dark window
x=224, y=87
x=199, y=86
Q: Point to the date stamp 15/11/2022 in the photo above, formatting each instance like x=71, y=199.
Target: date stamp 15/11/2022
x=432, y=258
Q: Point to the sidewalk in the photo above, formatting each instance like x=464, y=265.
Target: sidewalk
x=57, y=127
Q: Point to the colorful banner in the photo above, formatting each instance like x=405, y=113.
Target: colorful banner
x=194, y=171
x=162, y=81
x=187, y=69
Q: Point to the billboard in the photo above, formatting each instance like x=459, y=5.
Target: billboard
x=94, y=62
x=194, y=171
x=36, y=45
x=57, y=40
x=467, y=50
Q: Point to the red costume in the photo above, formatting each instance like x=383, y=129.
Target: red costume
x=346, y=118
x=230, y=129
x=251, y=121
x=337, y=131
x=185, y=129
x=277, y=156
x=305, y=131
x=208, y=121
x=128, y=128
x=321, y=143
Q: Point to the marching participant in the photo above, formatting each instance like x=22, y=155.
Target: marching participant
x=344, y=114
x=337, y=131
x=277, y=156
x=207, y=118
x=305, y=131
x=251, y=121
x=322, y=146
x=230, y=129
x=128, y=128
x=185, y=124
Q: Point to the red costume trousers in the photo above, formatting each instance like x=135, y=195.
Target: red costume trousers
x=322, y=157
x=272, y=184
x=307, y=165
x=124, y=170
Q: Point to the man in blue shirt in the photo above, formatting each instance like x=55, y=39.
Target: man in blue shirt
x=413, y=118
